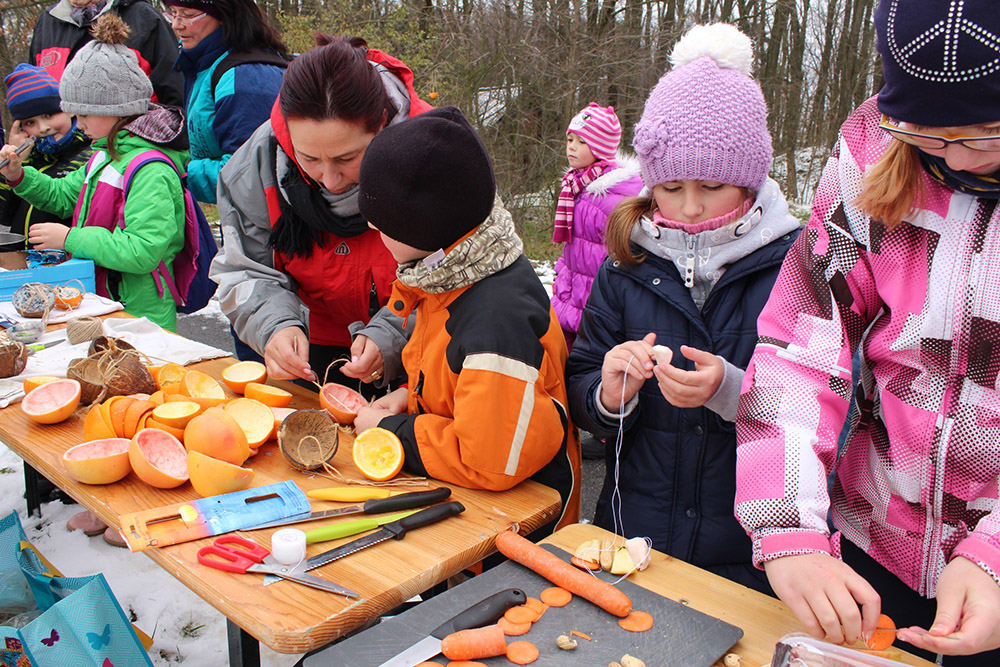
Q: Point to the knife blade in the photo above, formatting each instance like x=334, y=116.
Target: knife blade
x=394, y=530
x=274, y=568
x=373, y=506
x=482, y=613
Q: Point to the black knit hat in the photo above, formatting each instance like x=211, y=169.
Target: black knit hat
x=427, y=181
x=940, y=61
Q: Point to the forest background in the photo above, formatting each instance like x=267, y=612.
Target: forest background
x=520, y=70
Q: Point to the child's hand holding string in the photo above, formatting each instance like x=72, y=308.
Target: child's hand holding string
x=690, y=389
x=626, y=366
x=393, y=403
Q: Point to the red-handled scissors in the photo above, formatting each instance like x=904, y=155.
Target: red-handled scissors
x=237, y=554
x=233, y=553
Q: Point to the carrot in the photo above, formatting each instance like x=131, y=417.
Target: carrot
x=637, y=621
x=883, y=637
x=582, y=635
x=556, y=597
x=513, y=629
x=562, y=574
x=473, y=644
x=591, y=565
x=521, y=614
x=465, y=663
x=430, y=664
x=537, y=605
x=522, y=653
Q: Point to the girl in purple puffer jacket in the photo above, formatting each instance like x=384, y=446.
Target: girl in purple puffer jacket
x=596, y=181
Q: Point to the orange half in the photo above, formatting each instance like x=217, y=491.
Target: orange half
x=378, y=454
x=239, y=374
x=268, y=395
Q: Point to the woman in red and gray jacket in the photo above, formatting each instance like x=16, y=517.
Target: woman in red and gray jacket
x=298, y=262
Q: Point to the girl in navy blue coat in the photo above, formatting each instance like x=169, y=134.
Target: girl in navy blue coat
x=671, y=320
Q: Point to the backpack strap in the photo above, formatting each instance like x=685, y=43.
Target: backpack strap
x=250, y=57
x=161, y=274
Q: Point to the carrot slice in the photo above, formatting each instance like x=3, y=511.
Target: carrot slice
x=522, y=652
x=513, y=629
x=556, y=597
x=591, y=565
x=637, y=621
x=537, y=605
x=883, y=637
x=521, y=614
x=583, y=635
x=464, y=663
x=473, y=644
x=430, y=664
x=562, y=574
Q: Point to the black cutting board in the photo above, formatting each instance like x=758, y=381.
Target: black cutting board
x=681, y=636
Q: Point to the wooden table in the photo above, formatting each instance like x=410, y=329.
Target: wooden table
x=764, y=619
x=286, y=616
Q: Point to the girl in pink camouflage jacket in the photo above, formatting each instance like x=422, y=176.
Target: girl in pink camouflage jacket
x=901, y=258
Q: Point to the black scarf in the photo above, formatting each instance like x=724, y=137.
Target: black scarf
x=306, y=218
x=985, y=187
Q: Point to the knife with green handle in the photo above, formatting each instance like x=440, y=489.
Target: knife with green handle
x=348, y=528
x=401, y=501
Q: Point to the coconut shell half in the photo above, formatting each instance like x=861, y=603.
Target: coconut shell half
x=127, y=375
x=308, y=439
x=13, y=358
x=102, y=343
x=88, y=373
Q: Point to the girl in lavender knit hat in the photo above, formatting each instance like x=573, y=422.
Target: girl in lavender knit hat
x=671, y=321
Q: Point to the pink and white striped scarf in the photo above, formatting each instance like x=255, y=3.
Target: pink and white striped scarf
x=573, y=183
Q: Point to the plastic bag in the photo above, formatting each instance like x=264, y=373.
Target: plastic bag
x=799, y=650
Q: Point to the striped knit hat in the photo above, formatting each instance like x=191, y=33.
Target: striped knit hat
x=31, y=91
x=599, y=128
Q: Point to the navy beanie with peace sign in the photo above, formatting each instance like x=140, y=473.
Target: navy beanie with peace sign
x=940, y=61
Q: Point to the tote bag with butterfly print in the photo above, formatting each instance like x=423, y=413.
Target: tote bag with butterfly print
x=81, y=624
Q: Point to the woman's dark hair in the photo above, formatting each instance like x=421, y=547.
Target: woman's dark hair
x=335, y=80
x=244, y=26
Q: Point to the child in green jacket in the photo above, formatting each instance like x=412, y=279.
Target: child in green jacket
x=131, y=240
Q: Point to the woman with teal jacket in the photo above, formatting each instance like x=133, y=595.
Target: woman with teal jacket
x=232, y=60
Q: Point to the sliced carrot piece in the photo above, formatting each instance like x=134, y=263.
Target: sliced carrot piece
x=513, y=629
x=462, y=663
x=591, y=565
x=582, y=635
x=537, y=605
x=637, y=621
x=431, y=664
x=522, y=652
x=883, y=637
x=521, y=614
x=475, y=643
x=556, y=597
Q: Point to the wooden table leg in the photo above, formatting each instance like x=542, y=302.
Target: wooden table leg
x=31, y=478
x=244, y=650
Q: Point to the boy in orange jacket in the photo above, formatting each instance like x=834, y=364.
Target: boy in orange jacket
x=485, y=404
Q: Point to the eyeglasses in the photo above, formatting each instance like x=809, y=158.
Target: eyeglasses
x=185, y=21
x=985, y=144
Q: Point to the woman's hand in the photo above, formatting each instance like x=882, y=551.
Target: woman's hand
x=626, y=367
x=690, y=389
x=366, y=362
x=824, y=594
x=13, y=171
x=392, y=403
x=968, y=613
x=287, y=355
x=50, y=235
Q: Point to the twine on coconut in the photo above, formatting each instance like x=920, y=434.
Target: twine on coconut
x=108, y=362
x=41, y=291
x=83, y=329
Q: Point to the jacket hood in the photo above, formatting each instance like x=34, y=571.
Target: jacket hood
x=126, y=143
x=627, y=169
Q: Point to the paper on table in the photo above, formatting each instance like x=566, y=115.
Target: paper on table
x=92, y=304
x=147, y=337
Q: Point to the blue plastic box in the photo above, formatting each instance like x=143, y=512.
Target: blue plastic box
x=16, y=273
